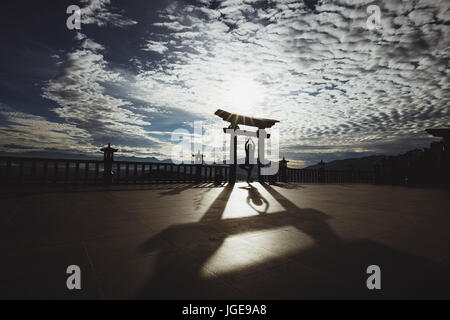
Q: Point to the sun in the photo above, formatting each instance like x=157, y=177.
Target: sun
x=244, y=96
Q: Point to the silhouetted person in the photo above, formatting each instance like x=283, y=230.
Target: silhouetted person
x=249, y=152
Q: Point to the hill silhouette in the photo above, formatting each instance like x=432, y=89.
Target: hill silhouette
x=360, y=164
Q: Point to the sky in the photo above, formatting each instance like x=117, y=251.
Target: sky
x=138, y=70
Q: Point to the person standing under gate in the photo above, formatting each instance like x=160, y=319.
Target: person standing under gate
x=249, y=159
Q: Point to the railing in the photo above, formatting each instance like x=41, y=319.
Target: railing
x=15, y=170
x=320, y=176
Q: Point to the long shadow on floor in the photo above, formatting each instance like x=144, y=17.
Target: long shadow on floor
x=331, y=268
x=32, y=190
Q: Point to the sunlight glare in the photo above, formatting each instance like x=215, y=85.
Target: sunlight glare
x=244, y=96
x=248, y=201
x=246, y=251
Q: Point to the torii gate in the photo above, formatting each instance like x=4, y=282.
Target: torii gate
x=235, y=120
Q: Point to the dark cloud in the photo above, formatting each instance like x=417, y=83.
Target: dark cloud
x=311, y=4
x=18, y=147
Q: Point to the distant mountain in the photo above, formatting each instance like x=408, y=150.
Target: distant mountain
x=360, y=164
x=136, y=159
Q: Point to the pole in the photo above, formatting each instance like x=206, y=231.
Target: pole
x=234, y=165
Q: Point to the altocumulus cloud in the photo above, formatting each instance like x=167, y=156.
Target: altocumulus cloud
x=337, y=87
x=332, y=82
x=83, y=101
x=25, y=132
x=100, y=13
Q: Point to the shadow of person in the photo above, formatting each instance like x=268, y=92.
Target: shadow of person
x=255, y=199
x=331, y=267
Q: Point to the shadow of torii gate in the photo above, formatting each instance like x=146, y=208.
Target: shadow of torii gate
x=333, y=267
x=233, y=129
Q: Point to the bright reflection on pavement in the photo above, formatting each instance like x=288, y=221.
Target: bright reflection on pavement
x=255, y=248
x=250, y=200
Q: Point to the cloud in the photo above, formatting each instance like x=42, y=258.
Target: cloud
x=99, y=12
x=337, y=87
x=27, y=132
x=329, y=79
x=85, y=90
x=155, y=47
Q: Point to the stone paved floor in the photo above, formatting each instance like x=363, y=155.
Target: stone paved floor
x=288, y=241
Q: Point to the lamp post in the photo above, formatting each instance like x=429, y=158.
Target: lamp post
x=321, y=171
x=198, y=162
x=283, y=169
